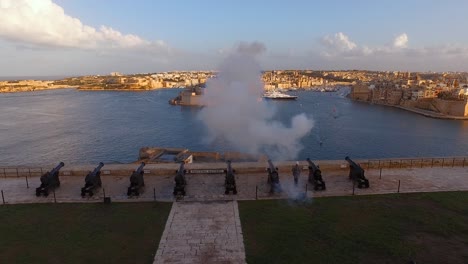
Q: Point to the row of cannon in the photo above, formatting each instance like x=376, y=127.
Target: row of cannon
x=50, y=180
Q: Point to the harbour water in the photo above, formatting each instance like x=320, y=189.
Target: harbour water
x=79, y=127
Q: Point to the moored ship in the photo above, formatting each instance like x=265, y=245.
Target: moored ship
x=275, y=95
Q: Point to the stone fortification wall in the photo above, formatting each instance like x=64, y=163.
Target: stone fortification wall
x=446, y=107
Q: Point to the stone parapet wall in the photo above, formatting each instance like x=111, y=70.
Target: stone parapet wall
x=164, y=169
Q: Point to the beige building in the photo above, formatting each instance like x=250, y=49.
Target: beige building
x=360, y=92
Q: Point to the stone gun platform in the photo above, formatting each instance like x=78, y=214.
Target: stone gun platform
x=251, y=186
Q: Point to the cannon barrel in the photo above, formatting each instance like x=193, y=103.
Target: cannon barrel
x=230, y=179
x=312, y=165
x=229, y=168
x=136, y=181
x=356, y=173
x=181, y=170
x=92, y=181
x=180, y=180
x=352, y=163
x=272, y=167
x=57, y=168
x=98, y=168
x=140, y=168
x=50, y=179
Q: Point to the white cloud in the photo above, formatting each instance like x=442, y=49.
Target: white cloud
x=339, y=42
x=401, y=41
x=42, y=23
x=340, y=52
x=340, y=45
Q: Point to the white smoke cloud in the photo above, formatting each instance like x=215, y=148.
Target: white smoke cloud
x=401, y=41
x=42, y=23
x=236, y=113
x=252, y=48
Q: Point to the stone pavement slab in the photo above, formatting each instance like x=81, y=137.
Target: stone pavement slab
x=202, y=232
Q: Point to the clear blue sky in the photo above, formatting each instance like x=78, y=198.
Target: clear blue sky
x=213, y=23
x=294, y=28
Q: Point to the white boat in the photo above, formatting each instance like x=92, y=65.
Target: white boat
x=275, y=95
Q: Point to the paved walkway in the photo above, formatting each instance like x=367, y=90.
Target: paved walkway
x=210, y=187
x=202, y=232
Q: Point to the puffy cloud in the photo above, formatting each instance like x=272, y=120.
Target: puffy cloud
x=340, y=52
x=42, y=23
x=342, y=46
x=339, y=42
x=401, y=41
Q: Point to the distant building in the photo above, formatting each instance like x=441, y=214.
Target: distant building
x=360, y=92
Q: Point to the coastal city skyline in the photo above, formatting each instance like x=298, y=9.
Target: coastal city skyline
x=44, y=37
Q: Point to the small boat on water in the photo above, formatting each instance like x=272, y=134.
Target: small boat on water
x=275, y=95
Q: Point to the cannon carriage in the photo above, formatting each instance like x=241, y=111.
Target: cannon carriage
x=230, y=179
x=315, y=176
x=356, y=173
x=137, y=182
x=92, y=181
x=273, y=178
x=49, y=181
x=180, y=181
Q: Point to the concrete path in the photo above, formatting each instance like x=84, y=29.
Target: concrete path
x=202, y=232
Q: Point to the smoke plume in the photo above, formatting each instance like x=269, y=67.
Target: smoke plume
x=236, y=113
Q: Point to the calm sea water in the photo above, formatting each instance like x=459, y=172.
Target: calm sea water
x=87, y=127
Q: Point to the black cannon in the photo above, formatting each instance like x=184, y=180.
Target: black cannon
x=92, y=181
x=273, y=178
x=49, y=180
x=180, y=180
x=136, y=181
x=356, y=173
x=230, y=179
x=315, y=176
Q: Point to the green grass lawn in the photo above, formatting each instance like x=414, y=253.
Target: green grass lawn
x=396, y=228
x=81, y=233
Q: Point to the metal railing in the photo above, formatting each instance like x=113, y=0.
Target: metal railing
x=415, y=163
